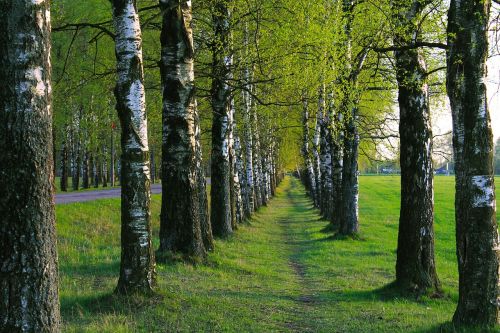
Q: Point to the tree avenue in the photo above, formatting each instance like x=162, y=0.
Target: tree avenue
x=219, y=100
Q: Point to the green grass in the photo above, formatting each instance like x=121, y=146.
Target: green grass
x=280, y=273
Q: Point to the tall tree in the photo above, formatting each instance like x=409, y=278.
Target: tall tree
x=415, y=264
x=29, y=299
x=349, y=215
x=475, y=209
x=221, y=191
x=185, y=225
x=137, y=267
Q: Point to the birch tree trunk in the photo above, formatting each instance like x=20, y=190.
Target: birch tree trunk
x=256, y=158
x=91, y=169
x=185, y=223
x=337, y=165
x=248, y=133
x=326, y=159
x=97, y=170
x=86, y=170
x=316, y=159
x=64, y=165
x=137, y=269
x=221, y=190
x=236, y=200
x=350, y=180
x=29, y=300
x=475, y=207
x=112, y=159
x=349, y=217
x=238, y=178
x=310, y=178
x=415, y=264
x=103, y=171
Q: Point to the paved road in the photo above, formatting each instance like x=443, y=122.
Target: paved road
x=66, y=198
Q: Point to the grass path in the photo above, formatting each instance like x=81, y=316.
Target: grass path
x=279, y=273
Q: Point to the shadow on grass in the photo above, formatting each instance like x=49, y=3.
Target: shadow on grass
x=449, y=327
x=110, y=303
x=387, y=293
x=337, y=236
x=330, y=228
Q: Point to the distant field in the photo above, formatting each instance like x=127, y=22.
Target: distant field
x=280, y=273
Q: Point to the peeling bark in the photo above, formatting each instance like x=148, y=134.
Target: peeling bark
x=29, y=300
x=137, y=268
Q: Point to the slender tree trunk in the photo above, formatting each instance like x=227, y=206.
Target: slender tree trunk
x=475, y=208
x=54, y=149
x=97, y=170
x=256, y=159
x=310, y=178
x=206, y=226
x=86, y=170
x=337, y=167
x=104, y=167
x=221, y=212
x=91, y=170
x=238, y=178
x=153, y=167
x=235, y=178
x=349, y=217
x=185, y=223
x=112, y=160
x=77, y=152
x=137, y=268
x=29, y=300
x=415, y=264
x=64, y=165
x=316, y=159
x=248, y=133
x=264, y=174
x=326, y=159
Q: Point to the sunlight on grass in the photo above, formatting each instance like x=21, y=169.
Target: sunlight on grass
x=280, y=272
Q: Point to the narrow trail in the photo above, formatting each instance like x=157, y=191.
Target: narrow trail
x=298, y=211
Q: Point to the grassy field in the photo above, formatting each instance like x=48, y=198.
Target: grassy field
x=280, y=273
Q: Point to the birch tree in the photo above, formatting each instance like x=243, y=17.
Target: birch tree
x=349, y=215
x=221, y=209
x=185, y=225
x=310, y=177
x=29, y=300
x=415, y=264
x=137, y=268
x=475, y=207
